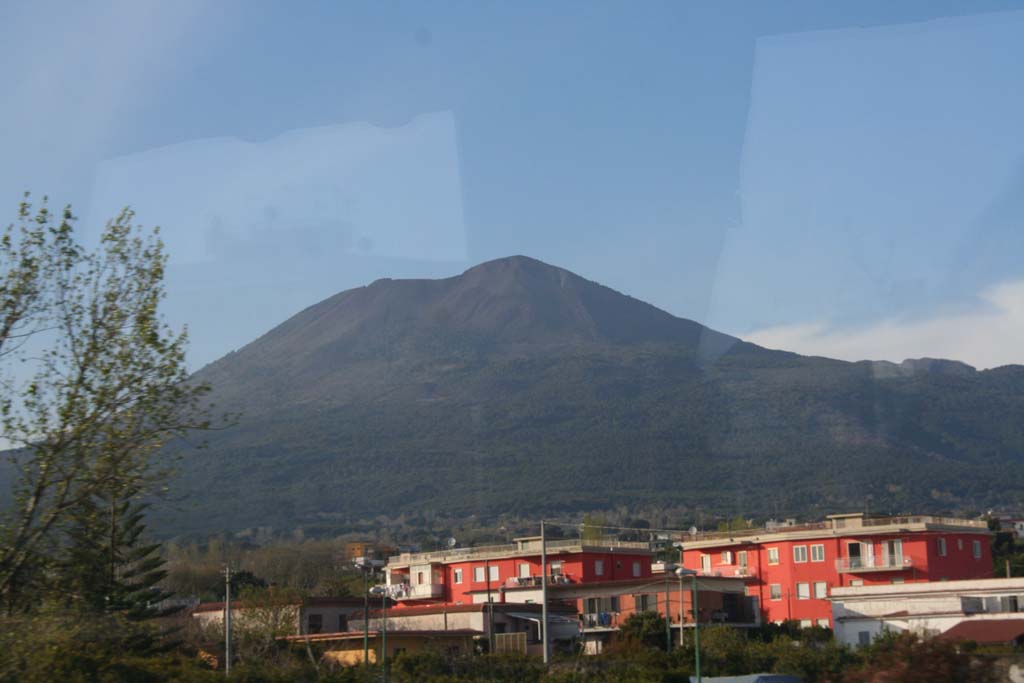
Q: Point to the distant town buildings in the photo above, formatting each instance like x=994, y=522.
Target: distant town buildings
x=857, y=574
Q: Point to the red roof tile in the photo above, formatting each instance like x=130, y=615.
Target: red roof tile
x=986, y=630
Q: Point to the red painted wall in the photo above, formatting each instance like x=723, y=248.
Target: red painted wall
x=920, y=548
x=578, y=567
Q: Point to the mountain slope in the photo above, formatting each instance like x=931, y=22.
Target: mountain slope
x=521, y=387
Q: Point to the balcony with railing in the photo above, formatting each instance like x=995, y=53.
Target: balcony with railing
x=873, y=564
x=423, y=591
x=535, y=581
x=738, y=572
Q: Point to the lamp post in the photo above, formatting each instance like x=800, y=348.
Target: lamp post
x=383, y=593
x=366, y=565
x=681, y=572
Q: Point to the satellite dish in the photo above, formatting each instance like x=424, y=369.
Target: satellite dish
x=693, y=531
x=452, y=542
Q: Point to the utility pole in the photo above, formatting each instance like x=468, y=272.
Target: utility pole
x=366, y=616
x=544, y=594
x=227, y=620
x=668, y=620
x=490, y=609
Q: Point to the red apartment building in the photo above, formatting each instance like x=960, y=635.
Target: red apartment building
x=464, y=575
x=791, y=568
x=598, y=582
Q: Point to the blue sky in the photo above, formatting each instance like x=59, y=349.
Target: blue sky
x=838, y=179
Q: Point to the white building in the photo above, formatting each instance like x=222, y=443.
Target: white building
x=860, y=613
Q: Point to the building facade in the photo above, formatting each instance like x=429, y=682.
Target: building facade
x=593, y=586
x=861, y=613
x=791, y=569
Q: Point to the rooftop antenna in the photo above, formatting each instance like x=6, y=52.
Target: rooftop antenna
x=451, y=542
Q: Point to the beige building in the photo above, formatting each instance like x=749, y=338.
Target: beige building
x=308, y=616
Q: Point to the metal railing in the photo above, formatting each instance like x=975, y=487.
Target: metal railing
x=873, y=564
x=925, y=519
x=514, y=549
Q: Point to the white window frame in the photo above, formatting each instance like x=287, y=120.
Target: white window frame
x=818, y=552
x=775, y=592
x=940, y=546
x=637, y=568
x=806, y=623
x=705, y=563
x=493, y=573
x=726, y=557
x=820, y=590
x=976, y=549
x=598, y=567
x=799, y=554
x=803, y=591
x=823, y=623
x=524, y=570
x=478, y=574
x=457, y=576
x=773, y=555
x=741, y=558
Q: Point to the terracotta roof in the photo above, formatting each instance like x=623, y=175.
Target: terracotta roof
x=499, y=607
x=986, y=630
x=353, y=635
x=308, y=602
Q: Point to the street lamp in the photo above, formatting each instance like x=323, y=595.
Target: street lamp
x=681, y=572
x=366, y=565
x=382, y=591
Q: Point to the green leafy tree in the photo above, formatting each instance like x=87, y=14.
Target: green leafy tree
x=647, y=628
x=92, y=381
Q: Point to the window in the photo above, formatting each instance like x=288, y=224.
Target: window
x=863, y=637
x=799, y=553
x=636, y=568
x=857, y=582
x=342, y=623
x=420, y=580
x=773, y=555
x=775, y=591
x=803, y=591
x=524, y=570
x=555, y=568
x=823, y=623
x=959, y=544
x=705, y=563
x=598, y=605
x=315, y=623
x=897, y=580
x=976, y=549
x=646, y=602
x=726, y=557
x=941, y=546
x=457, y=576
x=820, y=590
x=599, y=567
x=741, y=558
x=818, y=553
x=493, y=572
x=806, y=623
x=478, y=574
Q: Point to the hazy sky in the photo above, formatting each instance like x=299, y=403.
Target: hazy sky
x=843, y=180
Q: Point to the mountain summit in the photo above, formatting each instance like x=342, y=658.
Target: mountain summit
x=520, y=387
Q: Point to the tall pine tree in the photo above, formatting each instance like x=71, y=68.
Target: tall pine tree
x=109, y=566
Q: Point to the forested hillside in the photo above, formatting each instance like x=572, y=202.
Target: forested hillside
x=519, y=387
